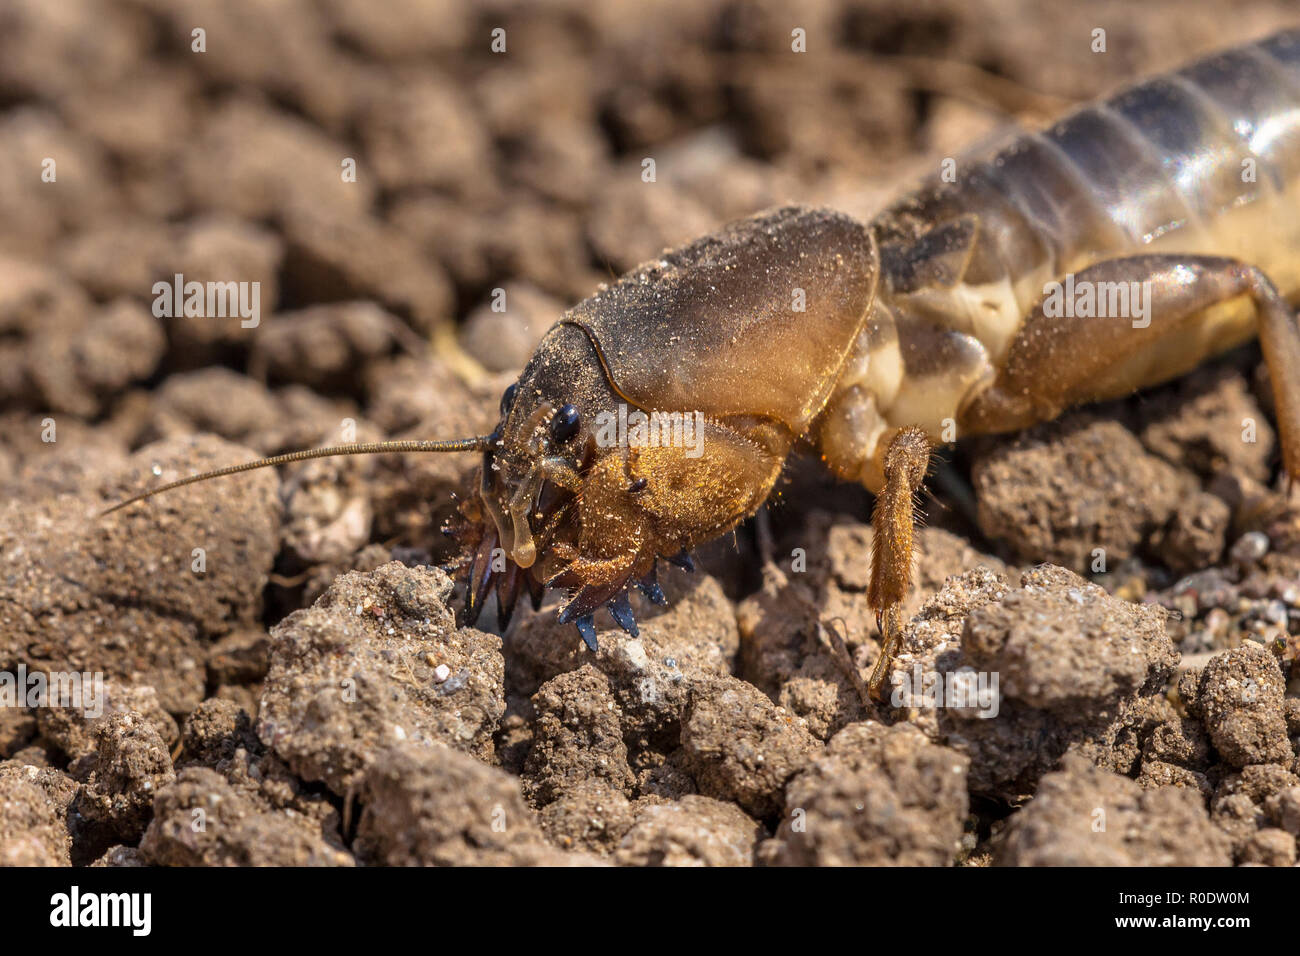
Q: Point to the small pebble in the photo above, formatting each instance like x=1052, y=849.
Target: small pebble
x=1250, y=547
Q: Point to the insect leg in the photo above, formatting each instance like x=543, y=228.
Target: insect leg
x=665, y=499
x=893, y=522
x=1188, y=308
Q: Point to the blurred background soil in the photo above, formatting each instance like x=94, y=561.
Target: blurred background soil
x=270, y=664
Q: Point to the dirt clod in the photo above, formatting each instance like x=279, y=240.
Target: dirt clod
x=433, y=805
x=693, y=831
x=360, y=670
x=203, y=820
x=131, y=766
x=1074, y=668
x=1238, y=696
x=33, y=831
x=880, y=796
x=740, y=746
x=1086, y=816
x=1063, y=491
x=577, y=737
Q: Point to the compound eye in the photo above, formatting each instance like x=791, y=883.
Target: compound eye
x=564, y=424
x=508, y=399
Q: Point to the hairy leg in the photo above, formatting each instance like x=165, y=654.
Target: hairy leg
x=892, y=554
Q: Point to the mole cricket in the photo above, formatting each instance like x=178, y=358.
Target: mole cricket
x=1170, y=212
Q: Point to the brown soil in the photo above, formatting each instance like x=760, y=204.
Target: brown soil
x=282, y=655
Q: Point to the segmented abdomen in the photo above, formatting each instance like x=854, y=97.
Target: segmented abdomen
x=1203, y=160
x=1206, y=159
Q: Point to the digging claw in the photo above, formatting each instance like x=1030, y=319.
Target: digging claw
x=536, y=591
x=587, y=628
x=649, y=586
x=622, y=614
x=683, y=560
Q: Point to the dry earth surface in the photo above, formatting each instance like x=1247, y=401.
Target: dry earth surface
x=286, y=678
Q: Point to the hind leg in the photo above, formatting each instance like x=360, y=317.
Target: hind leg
x=1059, y=361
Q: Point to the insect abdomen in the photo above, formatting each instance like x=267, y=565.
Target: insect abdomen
x=1205, y=160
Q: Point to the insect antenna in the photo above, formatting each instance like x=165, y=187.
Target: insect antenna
x=478, y=443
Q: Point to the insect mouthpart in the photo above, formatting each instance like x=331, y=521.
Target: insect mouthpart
x=525, y=476
x=516, y=529
x=519, y=543
x=527, y=510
